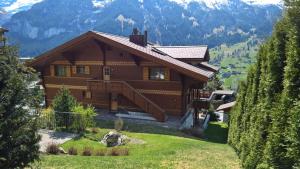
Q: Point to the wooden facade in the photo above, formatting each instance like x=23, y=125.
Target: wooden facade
x=107, y=75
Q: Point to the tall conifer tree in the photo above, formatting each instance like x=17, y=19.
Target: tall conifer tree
x=18, y=127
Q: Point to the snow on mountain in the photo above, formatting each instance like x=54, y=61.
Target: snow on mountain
x=208, y=3
x=216, y=4
x=20, y=5
x=264, y=2
x=101, y=3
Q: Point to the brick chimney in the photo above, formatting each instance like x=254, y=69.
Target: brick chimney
x=137, y=38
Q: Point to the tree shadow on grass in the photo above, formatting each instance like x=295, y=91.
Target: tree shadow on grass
x=216, y=132
x=143, y=128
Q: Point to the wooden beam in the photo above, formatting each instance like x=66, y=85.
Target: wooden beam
x=183, y=93
x=70, y=56
x=102, y=47
x=136, y=59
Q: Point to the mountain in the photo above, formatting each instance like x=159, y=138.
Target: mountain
x=42, y=24
x=235, y=60
x=10, y=7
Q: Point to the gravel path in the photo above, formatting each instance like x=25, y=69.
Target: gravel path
x=50, y=136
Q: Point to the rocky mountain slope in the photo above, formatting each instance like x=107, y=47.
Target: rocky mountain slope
x=42, y=24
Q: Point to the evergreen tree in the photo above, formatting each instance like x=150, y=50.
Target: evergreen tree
x=214, y=84
x=235, y=132
x=294, y=136
x=270, y=128
x=63, y=101
x=18, y=127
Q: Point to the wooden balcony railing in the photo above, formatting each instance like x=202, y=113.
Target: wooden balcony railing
x=197, y=94
x=132, y=94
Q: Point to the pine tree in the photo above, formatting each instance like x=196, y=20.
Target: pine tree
x=63, y=101
x=18, y=128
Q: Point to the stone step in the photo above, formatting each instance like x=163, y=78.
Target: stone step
x=136, y=115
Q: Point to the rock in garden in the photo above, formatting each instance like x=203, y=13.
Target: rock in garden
x=113, y=139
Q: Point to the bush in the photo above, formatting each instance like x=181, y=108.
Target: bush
x=47, y=119
x=95, y=130
x=72, y=151
x=119, y=152
x=52, y=149
x=82, y=117
x=100, y=152
x=87, y=151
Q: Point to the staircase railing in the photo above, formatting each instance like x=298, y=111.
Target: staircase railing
x=132, y=94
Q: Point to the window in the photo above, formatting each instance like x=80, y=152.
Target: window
x=86, y=94
x=157, y=74
x=60, y=70
x=80, y=69
x=107, y=71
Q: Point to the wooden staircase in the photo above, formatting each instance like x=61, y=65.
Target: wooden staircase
x=122, y=87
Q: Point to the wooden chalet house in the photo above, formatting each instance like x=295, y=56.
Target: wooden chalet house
x=112, y=72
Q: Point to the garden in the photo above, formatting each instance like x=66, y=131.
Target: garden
x=121, y=144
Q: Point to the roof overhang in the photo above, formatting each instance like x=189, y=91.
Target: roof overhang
x=184, y=68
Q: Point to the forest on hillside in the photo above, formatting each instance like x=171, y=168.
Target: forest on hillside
x=234, y=60
x=265, y=123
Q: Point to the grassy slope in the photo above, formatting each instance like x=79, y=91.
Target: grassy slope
x=234, y=60
x=165, y=148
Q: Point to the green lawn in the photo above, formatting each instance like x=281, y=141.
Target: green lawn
x=164, y=148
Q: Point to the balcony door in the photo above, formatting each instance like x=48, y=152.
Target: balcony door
x=106, y=73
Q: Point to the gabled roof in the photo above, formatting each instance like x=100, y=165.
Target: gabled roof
x=184, y=52
x=147, y=52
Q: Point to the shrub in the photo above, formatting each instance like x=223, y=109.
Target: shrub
x=119, y=151
x=119, y=124
x=52, y=148
x=72, y=151
x=95, y=130
x=47, y=119
x=87, y=151
x=100, y=152
x=83, y=117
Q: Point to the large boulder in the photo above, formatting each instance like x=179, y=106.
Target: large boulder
x=113, y=139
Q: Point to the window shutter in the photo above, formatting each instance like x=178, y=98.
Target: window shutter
x=145, y=73
x=87, y=70
x=68, y=69
x=52, y=70
x=74, y=71
x=167, y=74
